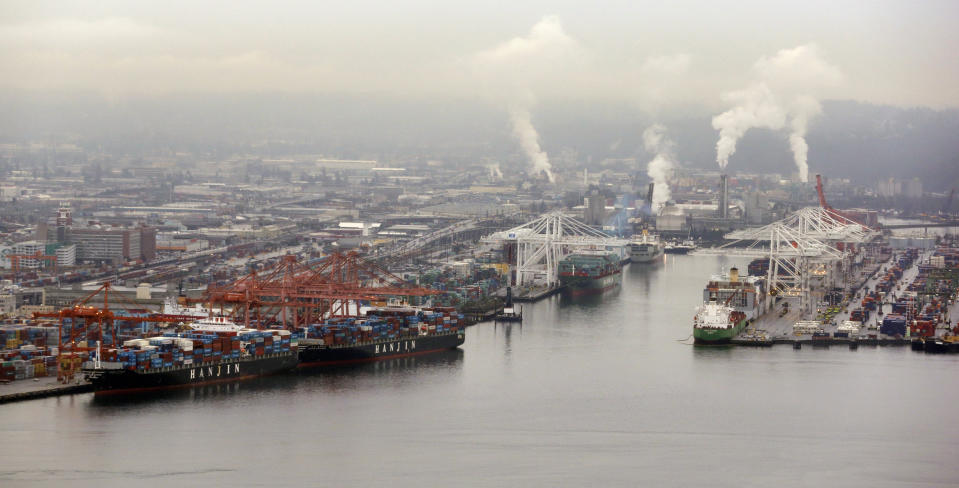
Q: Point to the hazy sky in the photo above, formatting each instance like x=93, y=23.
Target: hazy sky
x=655, y=54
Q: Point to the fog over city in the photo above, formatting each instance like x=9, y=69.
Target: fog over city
x=747, y=85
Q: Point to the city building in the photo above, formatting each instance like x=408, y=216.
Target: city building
x=595, y=209
x=175, y=243
x=757, y=208
x=113, y=244
x=66, y=255
x=892, y=187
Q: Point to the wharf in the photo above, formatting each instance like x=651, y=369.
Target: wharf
x=481, y=316
x=776, y=328
x=535, y=293
x=16, y=391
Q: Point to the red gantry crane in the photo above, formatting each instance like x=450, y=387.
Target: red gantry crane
x=837, y=214
x=294, y=295
x=83, y=325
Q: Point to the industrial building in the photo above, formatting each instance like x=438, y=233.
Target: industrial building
x=113, y=244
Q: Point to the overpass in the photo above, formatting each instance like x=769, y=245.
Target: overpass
x=922, y=225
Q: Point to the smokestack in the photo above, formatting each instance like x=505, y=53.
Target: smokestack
x=723, y=198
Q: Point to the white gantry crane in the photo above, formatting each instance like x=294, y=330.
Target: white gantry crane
x=544, y=242
x=798, y=246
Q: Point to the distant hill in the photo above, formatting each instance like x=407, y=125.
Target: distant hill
x=850, y=139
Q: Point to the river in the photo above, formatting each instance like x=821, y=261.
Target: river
x=586, y=392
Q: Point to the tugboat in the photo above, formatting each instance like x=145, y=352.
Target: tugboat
x=685, y=247
x=509, y=313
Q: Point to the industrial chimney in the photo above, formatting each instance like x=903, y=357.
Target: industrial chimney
x=723, y=198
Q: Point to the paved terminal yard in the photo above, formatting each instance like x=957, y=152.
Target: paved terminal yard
x=776, y=326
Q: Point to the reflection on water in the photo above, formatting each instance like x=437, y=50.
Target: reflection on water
x=333, y=376
x=448, y=359
x=589, y=299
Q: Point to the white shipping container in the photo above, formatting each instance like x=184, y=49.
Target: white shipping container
x=806, y=327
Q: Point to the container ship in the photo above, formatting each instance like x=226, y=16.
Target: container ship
x=194, y=358
x=585, y=273
x=645, y=248
x=382, y=333
x=729, y=302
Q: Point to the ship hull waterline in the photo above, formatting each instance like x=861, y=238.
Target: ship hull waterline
x=124, y=381
x=705, y=336
x=582, y=285
x=315, y=355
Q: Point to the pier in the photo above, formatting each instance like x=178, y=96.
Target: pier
x=536, y=293
x=41, y=388
x=776, y=326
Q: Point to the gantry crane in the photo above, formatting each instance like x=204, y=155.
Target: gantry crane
x=81, y=328
x=836, y=214
x=294, y=295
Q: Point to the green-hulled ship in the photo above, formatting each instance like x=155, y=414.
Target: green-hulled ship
x=716, y=323
x=729, y=302
x=586, y=272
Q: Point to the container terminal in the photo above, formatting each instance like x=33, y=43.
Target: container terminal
x=825, y=278
x=892, y=304
x=437, y=251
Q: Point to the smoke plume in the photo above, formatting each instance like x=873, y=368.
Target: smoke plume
x=661, y=166
x=755, y=107
x=512, y=68
x=494, y=171
x=785, y=90
x=528, y=139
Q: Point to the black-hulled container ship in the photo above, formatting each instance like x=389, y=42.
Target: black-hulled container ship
x=589, y=273
x=383, y=333
x=196, y=358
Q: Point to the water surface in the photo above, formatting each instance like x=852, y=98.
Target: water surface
x=587, y=392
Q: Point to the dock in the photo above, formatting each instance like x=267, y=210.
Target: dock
x=41, y=388
x=776, y=327
x=536, y=293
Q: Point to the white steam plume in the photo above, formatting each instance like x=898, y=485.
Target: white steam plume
x=661, y=166
x=513, y=67
x=804, y=109
x=754, y=107
x=794, y=76
x=529, y=140
x=494, y=171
